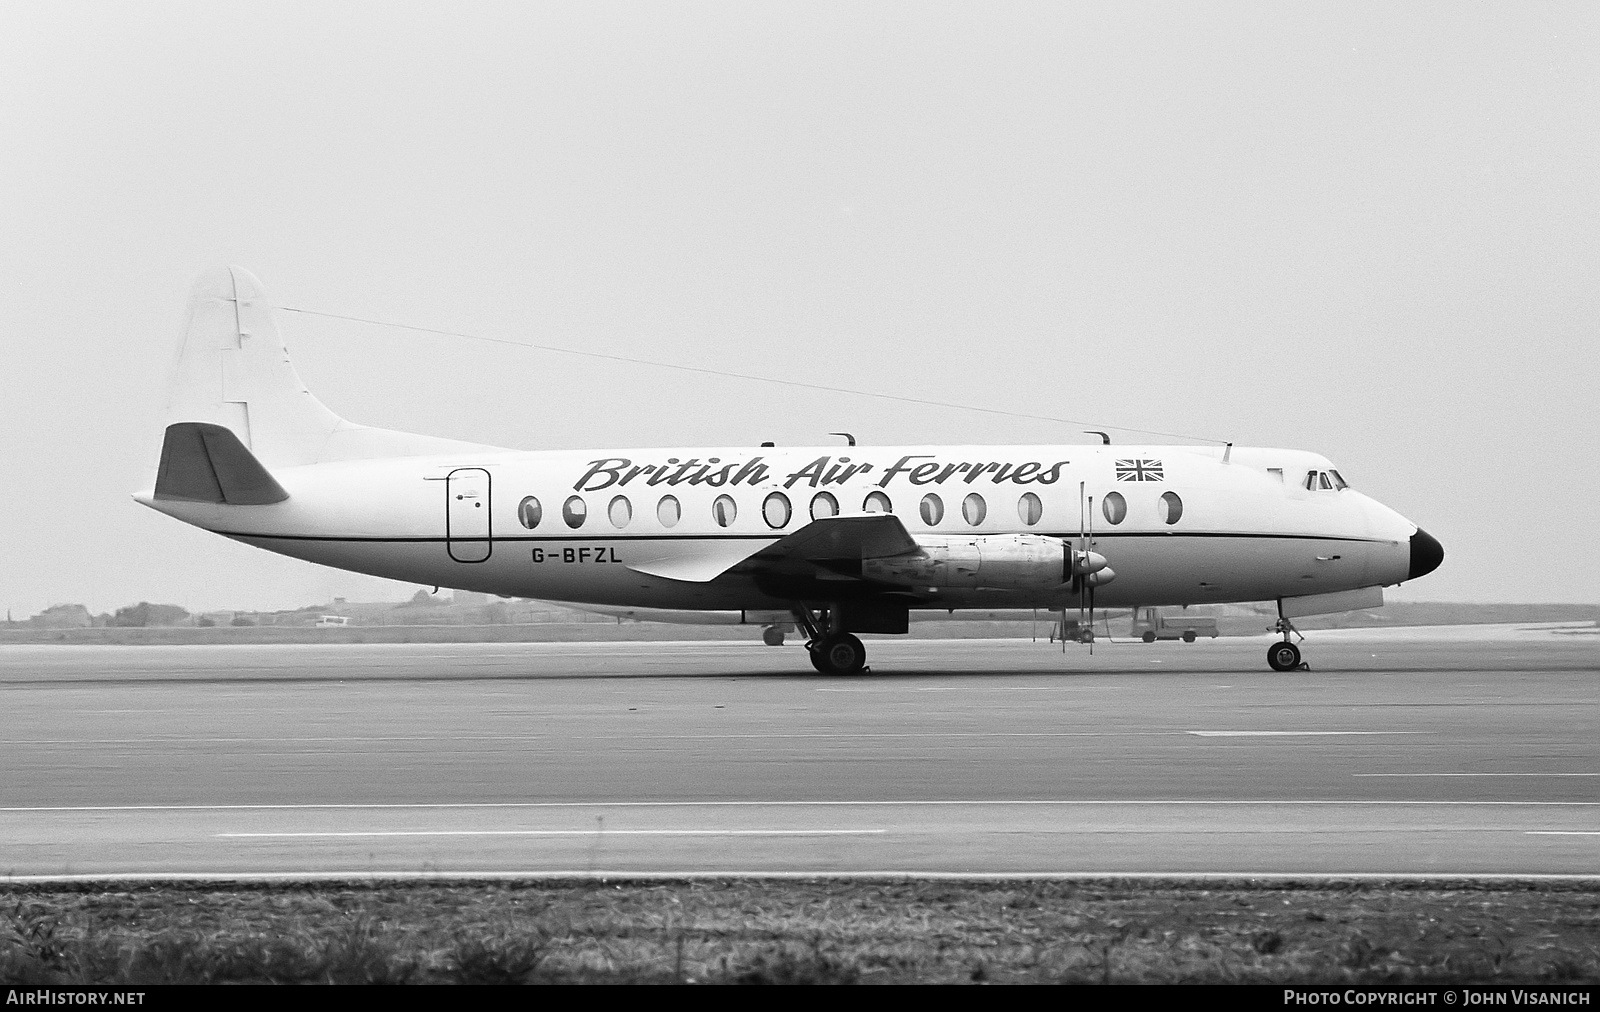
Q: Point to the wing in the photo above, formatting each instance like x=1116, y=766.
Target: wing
x=831, y=543
x=846, y=538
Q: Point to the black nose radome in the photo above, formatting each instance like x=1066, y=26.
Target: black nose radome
x=1426, y=554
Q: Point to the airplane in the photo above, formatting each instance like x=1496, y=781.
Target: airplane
x=845, y=539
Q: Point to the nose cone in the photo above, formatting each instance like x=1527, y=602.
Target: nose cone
x=1426, y=554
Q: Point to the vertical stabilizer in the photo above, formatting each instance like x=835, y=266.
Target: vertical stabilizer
x=234, y=371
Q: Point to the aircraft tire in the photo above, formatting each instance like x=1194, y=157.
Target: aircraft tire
x=1283, y=656
x=772, y=636
x=840, y=654
x=1149, y=637
x=816, y=659
x=1188, y=636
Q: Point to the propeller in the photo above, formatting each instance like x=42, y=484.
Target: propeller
x=1089, y=579
x=1088, y=567
x=1083, y=550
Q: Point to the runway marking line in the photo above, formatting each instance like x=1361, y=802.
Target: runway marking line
x=548, y=738
x=1475, y=774
x=561, y=832
x=1291, y=734
x=1561, y=832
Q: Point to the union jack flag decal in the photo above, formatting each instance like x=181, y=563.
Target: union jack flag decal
x=1139, y=470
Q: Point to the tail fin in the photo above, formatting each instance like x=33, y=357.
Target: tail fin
x=234, y=372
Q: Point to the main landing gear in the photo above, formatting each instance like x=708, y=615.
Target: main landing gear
x=1285, y=656
x=833, y=651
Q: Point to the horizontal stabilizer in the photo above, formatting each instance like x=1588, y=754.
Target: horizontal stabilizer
x=202, y=462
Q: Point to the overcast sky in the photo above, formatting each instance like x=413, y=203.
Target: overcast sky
x=1368, y=230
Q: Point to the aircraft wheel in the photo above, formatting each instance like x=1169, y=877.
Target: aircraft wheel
x=1188, y=636
x=1283, y=656
x=1149, y=637
x=815, y=653
x=772, y=636
x=840, y=654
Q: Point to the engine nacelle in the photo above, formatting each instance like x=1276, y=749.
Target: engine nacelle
x=996, y=562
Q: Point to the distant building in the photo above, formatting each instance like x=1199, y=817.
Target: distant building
x=468, y=599
x=62, y=616
x=146, y=614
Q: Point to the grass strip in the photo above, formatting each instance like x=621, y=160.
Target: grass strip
x=816, y=931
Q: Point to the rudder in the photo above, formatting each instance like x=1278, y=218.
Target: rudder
x=233, y=371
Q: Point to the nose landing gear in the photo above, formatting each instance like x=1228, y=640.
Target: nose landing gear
x=1285, y=656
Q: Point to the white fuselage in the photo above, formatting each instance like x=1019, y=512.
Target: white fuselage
x=1242, y=530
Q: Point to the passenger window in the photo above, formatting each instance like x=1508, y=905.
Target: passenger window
x=1029, y=509
x=776, y=510
x=1171, y=507
x=1114, y=507
x=529, y=512
x=621, y=511
x=575, y=511
x=668, y=511
x=974, y=509
x=724, y=511
x=932, y=509
x=877, y=502
x=823, y=504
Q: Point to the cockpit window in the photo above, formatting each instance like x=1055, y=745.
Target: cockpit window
x=1324, y=480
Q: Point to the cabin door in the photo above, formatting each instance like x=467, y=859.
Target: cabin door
x=467, y=529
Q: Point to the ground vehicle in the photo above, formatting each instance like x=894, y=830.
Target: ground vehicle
x=1150, y=625
x=332, y=621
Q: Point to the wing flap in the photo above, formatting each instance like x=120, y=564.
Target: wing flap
x=698, y=562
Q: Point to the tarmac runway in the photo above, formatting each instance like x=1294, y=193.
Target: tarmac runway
x=1465, y=751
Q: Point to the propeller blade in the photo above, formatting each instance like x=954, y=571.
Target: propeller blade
x=1088, y=544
